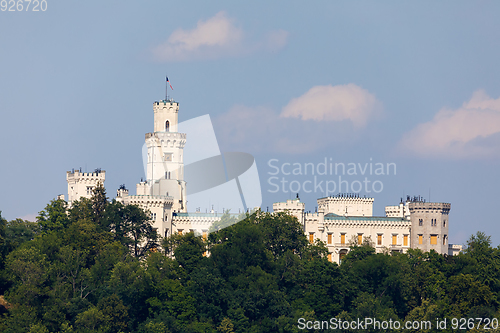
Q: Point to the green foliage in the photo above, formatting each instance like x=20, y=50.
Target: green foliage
x=99, y=203
x=28, y=269
x=54, y=216
x=226, y=220
x=131, y=226
x=3, y=227
x=99, y=268
x=19, y=231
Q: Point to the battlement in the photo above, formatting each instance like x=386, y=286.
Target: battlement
x=166, y=103
x=166, y=106
x=122, y=192
x=81, y=184
x=165, y=116
x=346, y=204
x=291, y=205
x=77, y=174
x=166, y=135
x=420, y=206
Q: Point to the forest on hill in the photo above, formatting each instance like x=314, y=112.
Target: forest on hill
x=101, y=267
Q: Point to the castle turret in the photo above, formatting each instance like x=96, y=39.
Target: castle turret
x=166, y=116
x=346, y=204
x=429, y=225
x=81, y=184
x=293, y=207
x=165, y=154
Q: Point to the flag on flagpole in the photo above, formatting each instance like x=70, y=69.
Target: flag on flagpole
x=169, y=84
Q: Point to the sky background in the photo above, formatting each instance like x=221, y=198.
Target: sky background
x=416, y=84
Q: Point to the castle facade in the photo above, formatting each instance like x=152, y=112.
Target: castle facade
x=344, y=220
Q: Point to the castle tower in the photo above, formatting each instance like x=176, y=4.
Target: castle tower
x=165, y=154
x=346, y=204
x=81, y=184
x=429, y=225
x=293, y=207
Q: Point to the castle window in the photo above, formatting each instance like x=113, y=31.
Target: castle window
x=179, y=231
x=405, y=240
x=444, y=223
x=342, y=239
x=434, y=240
x=394, y=239
x=379, y=239
x=167, y=126
x=420, y=222
x=329, y=238
x=420, y=239
x=311, y=237
x=204, y=235
x=342, y=254
x=89, y=190
x=360, y=239
x=329, y=257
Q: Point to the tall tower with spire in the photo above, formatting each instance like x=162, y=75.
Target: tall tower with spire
x=165, y=155
x=163, y=192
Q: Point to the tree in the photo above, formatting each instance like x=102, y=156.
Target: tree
x=81, y=210
x=115, y=314
x=90, y=320
x=3, y=227
x=282, y=232
x=99, y=203
x=189, y=251
x=54, y=216
x=3, y=245
x=140, y=230
x=132, y=227
x=28, y=268
x=19, y=231
x=485, y=259
x=226, y=326
x=226, y=220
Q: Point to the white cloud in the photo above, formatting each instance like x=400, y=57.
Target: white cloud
x=216, y=37
x=261, y=129
x=29, y=217
x=472, y=130
x=334, y=103
x=276, y=40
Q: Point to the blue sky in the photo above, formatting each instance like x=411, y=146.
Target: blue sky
x=415, y=84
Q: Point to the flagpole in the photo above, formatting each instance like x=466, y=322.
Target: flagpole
x=166, y=88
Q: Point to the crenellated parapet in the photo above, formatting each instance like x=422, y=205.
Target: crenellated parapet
x=81, y=184
x=429, y=207
x=165, y=116
x=346, y=204
x=166, y=139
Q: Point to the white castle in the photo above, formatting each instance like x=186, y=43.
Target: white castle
x=345, y=219
x=338, y=222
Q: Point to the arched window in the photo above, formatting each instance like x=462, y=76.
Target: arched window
x=167, y=126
